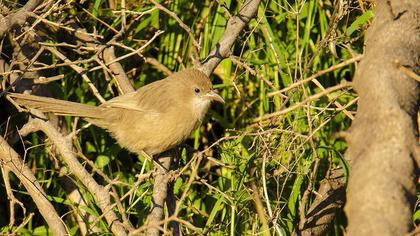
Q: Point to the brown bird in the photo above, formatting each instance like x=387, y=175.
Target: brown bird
x=151, y=120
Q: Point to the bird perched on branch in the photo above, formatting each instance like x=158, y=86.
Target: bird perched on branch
x=149, y=121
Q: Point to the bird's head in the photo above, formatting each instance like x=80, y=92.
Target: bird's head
x=197, y=90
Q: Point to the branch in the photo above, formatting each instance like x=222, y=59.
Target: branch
x=11, y=161
x=383, y=146
x=64, y=147
x=160, y=191
x=118, y=71
x=327, y=203
x=17, y=18
x=314, y=97
x=234, y=27
x=187, y=29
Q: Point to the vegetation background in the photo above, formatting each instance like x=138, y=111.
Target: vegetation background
x=259, y=159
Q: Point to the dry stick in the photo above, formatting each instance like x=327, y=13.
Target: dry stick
x=47, y=13
x=336, y=103
x=121, y=209
x=116, y=68
x=198, y=231
x=150, y=60
x=234, y=27
x=260, y=210
x=299, y=104
x=409, y=73
x=24, y=222
x=80, y=71
x=314, y=165
x=181, y=24
x=117, y=71
x=64, y=147
x=10, y=160
x=137, y=51
x=238, y=62
x=316, y=75
x=101, y=21
x=46, y=80
x=12, y=199
x=17, y=18
x=83, y=218
x=155, y=63
x=313, y=79
x=72, y=30
x=265, y=192
x=110, y=60
x=46, y=67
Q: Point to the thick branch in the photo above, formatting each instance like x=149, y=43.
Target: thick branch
x=160, y=191
x=234, y=27
x=10, y=159
x=64, y=147
x=17, y=18
x=383, y=146
x=118, y=70
x=324, y=209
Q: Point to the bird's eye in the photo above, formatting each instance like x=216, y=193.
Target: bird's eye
x=197, y=90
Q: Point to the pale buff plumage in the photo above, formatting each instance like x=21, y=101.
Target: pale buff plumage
x=152, y=119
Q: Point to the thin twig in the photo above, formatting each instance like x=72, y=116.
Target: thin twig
x=181, y=24
x=308, y=99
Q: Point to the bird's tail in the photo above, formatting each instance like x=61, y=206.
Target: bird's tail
x=56, y=106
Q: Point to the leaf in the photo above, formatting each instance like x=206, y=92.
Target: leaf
x=216, y=209
x=294, y=195
x=416, y=216
x=101, y=161
x=361, y=20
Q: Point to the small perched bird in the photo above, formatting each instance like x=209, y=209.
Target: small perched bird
x=151, y=120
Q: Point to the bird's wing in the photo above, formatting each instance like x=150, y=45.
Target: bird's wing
x=126, y=101
x=151, y=98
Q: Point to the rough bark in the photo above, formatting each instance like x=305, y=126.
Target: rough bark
x=326, y=205
x=17, y=18
x=383, y=147
x=160, y=191
x=234, y=27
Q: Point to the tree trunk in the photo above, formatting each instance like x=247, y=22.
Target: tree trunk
x=383, y=147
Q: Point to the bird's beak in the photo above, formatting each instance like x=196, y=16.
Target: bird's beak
x=214, y=96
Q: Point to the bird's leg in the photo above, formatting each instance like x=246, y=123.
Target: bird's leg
x=154, y=162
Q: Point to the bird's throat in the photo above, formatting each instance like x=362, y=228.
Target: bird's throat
x=200, y=107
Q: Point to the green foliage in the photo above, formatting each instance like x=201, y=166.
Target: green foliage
x=286, y=43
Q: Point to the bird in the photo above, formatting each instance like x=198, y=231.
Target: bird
x=151, y=120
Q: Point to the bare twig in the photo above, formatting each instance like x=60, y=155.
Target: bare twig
x=181, y=24
x=260, y=210
x=12, y=200
x=80, y=71
x=308, y=99
x=316, y=75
